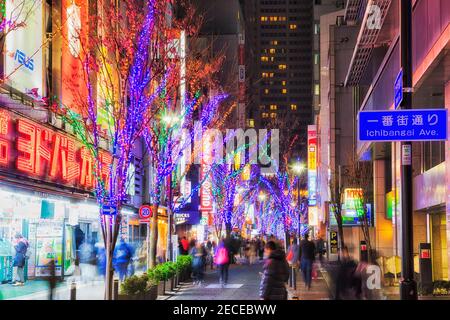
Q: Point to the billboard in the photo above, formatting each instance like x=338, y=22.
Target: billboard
x=312, y=165
x=23, y=51
x=352, y=208
x=74, y=90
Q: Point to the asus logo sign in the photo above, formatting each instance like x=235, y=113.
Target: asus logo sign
x=21, y=58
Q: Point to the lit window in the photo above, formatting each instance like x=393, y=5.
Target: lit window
x=251, y=123
x=293, y=107
x=283, y=83
x=266, y=91
x=272, y=51
x=275, y=42
x=272, y=59
x=263, y=18
x=283, y=91
x=292, y=26
x=282, y=67
x=264, y=74
x=265, y=115
x=273, y=115
x=271, y=74
x=317, y=89
x=273, y=107
x=264, y=59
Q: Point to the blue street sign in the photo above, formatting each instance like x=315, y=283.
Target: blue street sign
x=403, y=125
x=109, y=210
x=398, y=89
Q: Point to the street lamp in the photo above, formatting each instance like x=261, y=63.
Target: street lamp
x=170, y=121
x=262, y=196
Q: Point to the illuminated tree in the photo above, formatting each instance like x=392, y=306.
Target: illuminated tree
x=123, y=76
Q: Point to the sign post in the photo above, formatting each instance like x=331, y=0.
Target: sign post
x=398, y=90
x=408, y=286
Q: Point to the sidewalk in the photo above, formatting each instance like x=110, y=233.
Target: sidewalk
x=319, y=288
x=243, y=284
x=38, y=290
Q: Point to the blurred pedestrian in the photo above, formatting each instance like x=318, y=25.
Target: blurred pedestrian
x=275, y=274
x=345, y=277
x=51, y=279
x=307, y=257
x=252, y=252
x=222, y=259
x=20, y=257
x=184, y=246
x=122, y=257
x=320, y=247
x=197, y=253
x=100, y=258
x=261, y=249
x=87, y=261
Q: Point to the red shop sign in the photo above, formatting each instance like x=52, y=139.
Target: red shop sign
x=37, y=151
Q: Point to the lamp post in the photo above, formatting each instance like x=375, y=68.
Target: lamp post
x=169, y=120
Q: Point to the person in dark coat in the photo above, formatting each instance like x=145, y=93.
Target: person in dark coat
x=275, y=275
x=307, y=256
x=20, y=257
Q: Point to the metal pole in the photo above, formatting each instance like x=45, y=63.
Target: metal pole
x=169, y=222
x=108, y=280
x=408, y=287
x=73, y=291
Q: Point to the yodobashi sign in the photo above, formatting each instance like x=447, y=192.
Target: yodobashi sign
x=403, y=125
x=24, y=58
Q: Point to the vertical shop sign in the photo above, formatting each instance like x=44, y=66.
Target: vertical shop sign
x=312, y=165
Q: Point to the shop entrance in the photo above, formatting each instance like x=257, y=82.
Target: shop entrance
x=438, y=232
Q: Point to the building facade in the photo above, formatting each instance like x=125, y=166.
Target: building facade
x=280, y=89
x=369, y=77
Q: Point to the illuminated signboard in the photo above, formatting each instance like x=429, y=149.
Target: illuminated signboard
x=24, y=56
x=313, y=216
x=74, y=91
x=312, y=165
x=352, y=206
x=30, y=149
x=192, y=218
x=206, y=200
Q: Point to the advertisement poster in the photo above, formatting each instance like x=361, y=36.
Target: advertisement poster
x=24, y=56
x=49, y=236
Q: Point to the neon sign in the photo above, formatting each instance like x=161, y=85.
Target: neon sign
x=41, y=152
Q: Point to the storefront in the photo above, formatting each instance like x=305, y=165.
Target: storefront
x=55, y=227
x=46, y=180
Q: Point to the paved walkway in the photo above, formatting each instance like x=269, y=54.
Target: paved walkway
x=243, y=284
x=38, y=290
x=319, y=288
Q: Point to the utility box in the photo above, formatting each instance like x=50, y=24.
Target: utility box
x=425, y=265
x=363, y=252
